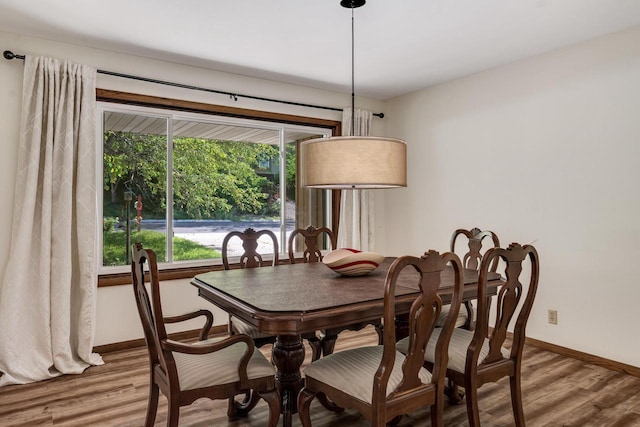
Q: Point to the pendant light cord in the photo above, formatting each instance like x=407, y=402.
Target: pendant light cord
x=353, y=90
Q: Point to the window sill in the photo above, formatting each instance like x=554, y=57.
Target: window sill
x=117, y=279
x=124, y=278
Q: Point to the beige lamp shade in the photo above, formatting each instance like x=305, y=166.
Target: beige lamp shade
x=353, y=162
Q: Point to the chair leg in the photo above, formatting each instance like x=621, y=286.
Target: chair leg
x=454, y=392
x=470, y=324
x=328, y=343
x=328, y=404
x=152, y=405
x=516, y=399
x=380, y=331
x=304, y=402
x=437, y=413
x=174, y=414
x=273, y=400
x=232, y=414
x=395, y=421
x=473, y=413
x=316, y=348
x=242, y=409
x=377, y=420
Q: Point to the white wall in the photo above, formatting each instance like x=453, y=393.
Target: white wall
x=544, y=150
x=117, y=319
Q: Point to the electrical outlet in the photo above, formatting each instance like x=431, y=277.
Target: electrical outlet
x=553, y=317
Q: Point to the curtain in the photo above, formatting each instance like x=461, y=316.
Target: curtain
x=48, y=293
x=356, y=229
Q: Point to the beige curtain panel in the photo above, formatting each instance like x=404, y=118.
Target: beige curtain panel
x=47, y=297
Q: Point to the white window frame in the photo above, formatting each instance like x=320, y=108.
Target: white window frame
x=172, y=116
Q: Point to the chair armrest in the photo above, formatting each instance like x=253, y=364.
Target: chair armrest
x=204, y=332
x=210, y=347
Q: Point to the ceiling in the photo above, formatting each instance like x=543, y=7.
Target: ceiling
x=400, y=46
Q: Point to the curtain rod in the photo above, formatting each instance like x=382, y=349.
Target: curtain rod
x=10, y=55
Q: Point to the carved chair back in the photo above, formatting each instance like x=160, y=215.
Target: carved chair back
x=473, y=257
x=512, y=293
x=312, y=235
x=150, y=308
x=251, y=258
x=423, y=317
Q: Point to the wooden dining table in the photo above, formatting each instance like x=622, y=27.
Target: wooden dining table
x=294, y=299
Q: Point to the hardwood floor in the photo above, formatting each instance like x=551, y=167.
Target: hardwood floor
x=557, y=390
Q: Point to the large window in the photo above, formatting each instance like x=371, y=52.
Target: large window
x=178, y=182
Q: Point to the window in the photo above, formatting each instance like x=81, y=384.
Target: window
x=179, y=181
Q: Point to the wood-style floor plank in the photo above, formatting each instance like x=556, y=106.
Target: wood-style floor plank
x=557, y=391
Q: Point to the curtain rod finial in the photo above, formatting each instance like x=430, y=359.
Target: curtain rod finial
x=8, y=54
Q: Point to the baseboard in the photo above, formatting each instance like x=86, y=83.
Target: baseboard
x=585, y=357
x=178, y=336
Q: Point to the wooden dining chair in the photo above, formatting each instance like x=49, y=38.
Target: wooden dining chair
x=480, y=356
x=378, y=381
x=471, y=260
x=312, y=247
x=185, y=372
x=251, y=257
x=312, y=253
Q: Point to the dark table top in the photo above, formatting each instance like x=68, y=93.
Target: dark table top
x=297, y=298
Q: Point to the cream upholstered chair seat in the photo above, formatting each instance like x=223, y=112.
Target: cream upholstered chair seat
x=339, y=370
x=221, y=367
x=460, y=340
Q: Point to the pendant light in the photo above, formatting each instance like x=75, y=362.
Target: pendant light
x=353, y=162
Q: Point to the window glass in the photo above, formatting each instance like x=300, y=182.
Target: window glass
x=224, y=175
x=134, y=185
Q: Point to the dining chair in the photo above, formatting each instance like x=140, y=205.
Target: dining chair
x=480, y=356
x=312, y=236
x=471, y=260
x=217, y=368
x=251, y=257
x=379, y=381
x=312, y=253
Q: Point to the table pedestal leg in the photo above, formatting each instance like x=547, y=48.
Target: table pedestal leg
x=288, y=355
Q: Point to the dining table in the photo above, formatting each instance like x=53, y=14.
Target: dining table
x=290, y=300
